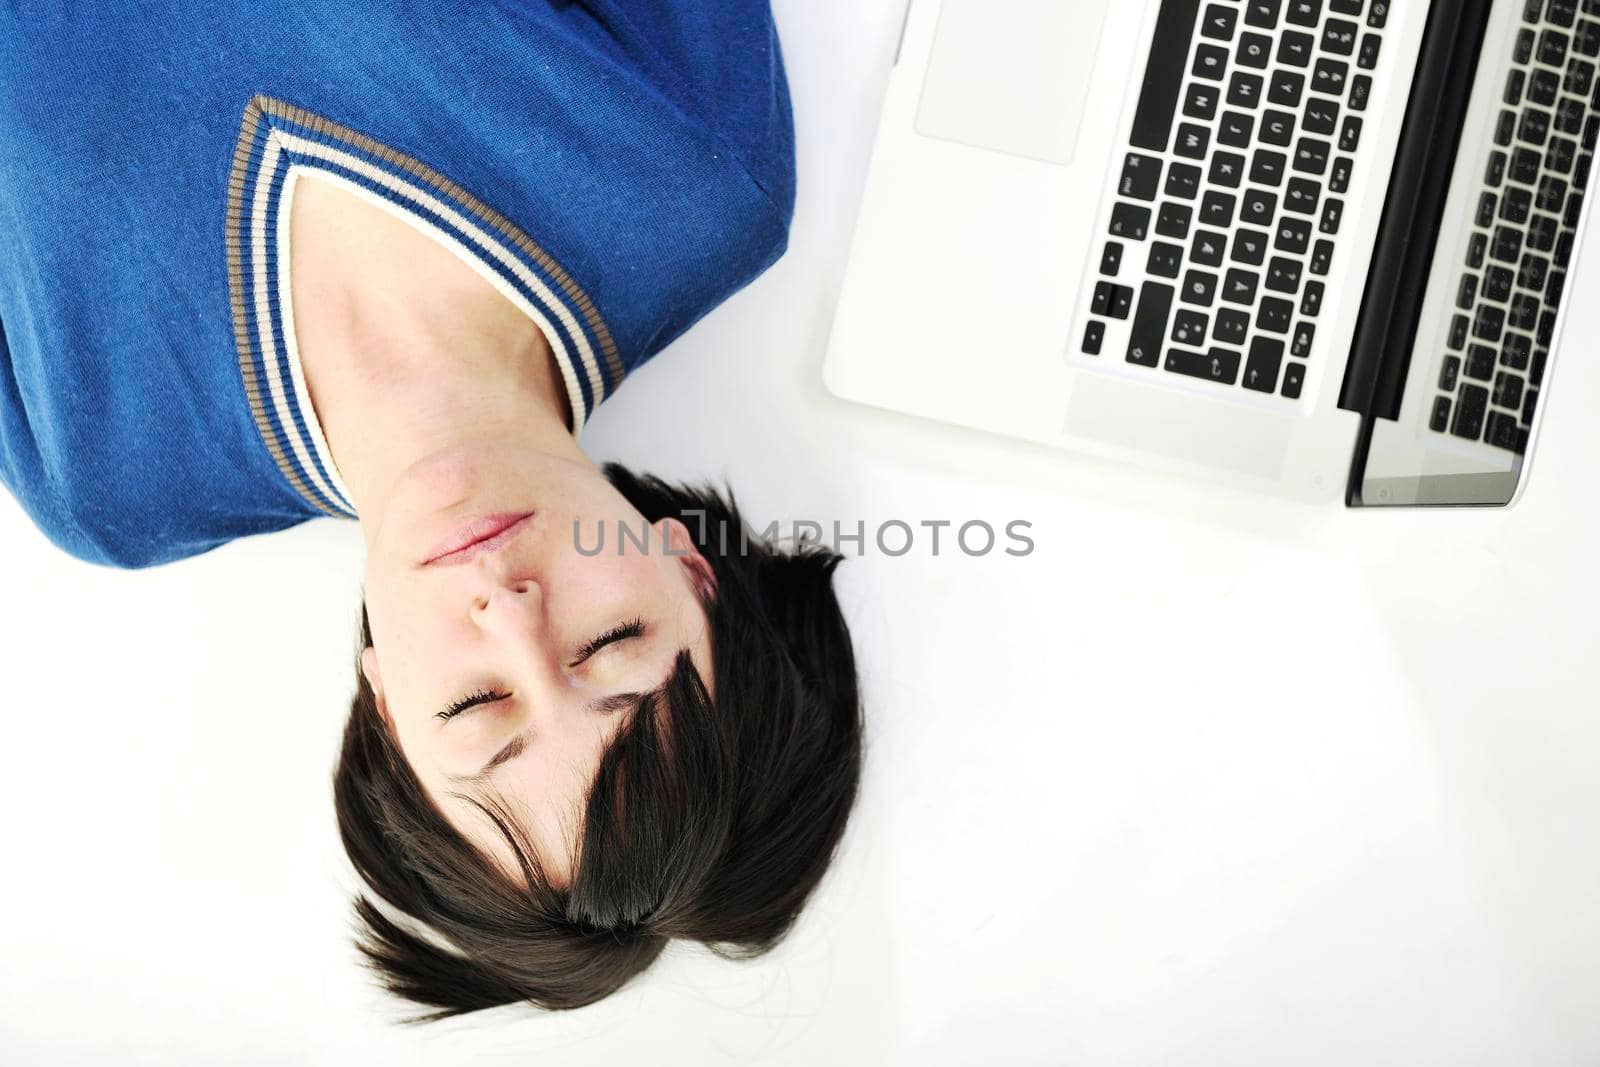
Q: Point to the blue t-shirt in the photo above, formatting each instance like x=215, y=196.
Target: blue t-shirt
x=617, y=167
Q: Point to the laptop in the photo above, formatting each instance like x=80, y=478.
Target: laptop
x=1314, y=248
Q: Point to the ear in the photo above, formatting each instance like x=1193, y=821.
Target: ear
x=675, y=535
x=369, y=668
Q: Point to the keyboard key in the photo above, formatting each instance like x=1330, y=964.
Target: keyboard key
x=1283, y=275
x=1189, y=327
x=1199, y=287
x=1227, y=169
x=1302, y=196
x=1507, y=246
x=1515, y=204
x=1332, y=215
x=1534, y=128
x=1440, y=420
x=1294, y=236
x=1580, y=76
x=1239, y=287
x=1254, y=51
x=1516, y=84
x=1525, y=166
x=1274, y=315
x=1261, y=369
x=1350, y=135
x=1217, y=365
x=1113, y=300
x=1480, y=362
x=1208, y=248
x=1467, y=292
x=1321, y=116
x=1183, y=180
x=1286, y=88
x=1141, y=177
x=1505, y=128
x=1370, y=44
x=1258, y=207
x=1496, y=172
x=1130, y=221
x=1460, y=325
x=1094, y=336
x=1111, y=259
x=1321, y=257
x=1311, y=300
x=1200, y=101
x=1378, y=17
x=1250, y=246
x=1219, y=22
x=1304, y=12
x=1360, y=92
x=1329, y=77
x=1448, y=373
x=1501, y=430
x=1561, y=155
x=1263, y=14
x=1553, y=48
x=1216, y=209
x=1295, y=49
x=1210, y=62
x=1277, y=127
x=1192, y=141
x=1235, y=129
x=1497, y=283
x=1524, y=47
x=1173, y=220
x=1529, y=402
x=1267, y=167
x=1524, y=314
x=1311, y=155
x=1339, y=179
x=1244, y=90
x=1470, y=408
x=1487, y=202
x=1166, y=260
x=1477, y=246
x=1232, y=326
x=1488, y=322
x=1508, y=390
x=1531, y=274
x=1339, y=37
x=1163, y=74
x=1304, y=334
x=1150, y=324
x=1294, y=379
x=1543, y=87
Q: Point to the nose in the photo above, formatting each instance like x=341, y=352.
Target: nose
x=506, y=606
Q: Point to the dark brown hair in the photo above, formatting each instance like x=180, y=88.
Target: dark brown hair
x=709, y=821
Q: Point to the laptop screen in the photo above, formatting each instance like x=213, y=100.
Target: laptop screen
x=1462, y=321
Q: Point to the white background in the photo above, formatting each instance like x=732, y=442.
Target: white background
x=1205, y=779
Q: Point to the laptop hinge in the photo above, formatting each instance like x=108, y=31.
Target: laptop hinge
x=1380, y=354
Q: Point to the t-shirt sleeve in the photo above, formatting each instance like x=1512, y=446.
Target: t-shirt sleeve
x=720, y=62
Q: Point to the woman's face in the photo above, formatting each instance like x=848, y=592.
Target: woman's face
x=554, y=645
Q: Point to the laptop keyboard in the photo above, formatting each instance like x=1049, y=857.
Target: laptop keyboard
x=1233, y=189
x=1524, y=229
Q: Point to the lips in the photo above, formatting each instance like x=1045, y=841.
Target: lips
x=482, y=534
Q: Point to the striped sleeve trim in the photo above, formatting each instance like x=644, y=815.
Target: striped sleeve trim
x=275, y=141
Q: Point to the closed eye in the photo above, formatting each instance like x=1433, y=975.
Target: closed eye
x=620, y=632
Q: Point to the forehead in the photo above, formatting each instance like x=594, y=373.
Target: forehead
x=544, y=794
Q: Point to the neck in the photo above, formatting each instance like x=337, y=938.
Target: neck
x=407, y=351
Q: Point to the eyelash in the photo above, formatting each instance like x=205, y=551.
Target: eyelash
x=620, y=632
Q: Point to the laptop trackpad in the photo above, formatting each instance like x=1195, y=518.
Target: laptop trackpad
x=1012, y=75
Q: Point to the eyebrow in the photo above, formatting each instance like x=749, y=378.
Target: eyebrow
x=512, y=749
